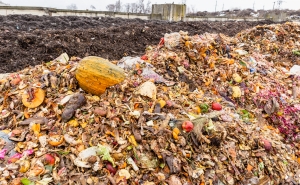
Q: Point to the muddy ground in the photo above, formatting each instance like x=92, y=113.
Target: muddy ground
x=29, y=40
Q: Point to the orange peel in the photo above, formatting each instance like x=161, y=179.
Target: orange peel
x=33, y=99
x=56, y=140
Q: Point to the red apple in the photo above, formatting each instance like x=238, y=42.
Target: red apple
x=216, y=106
x=187, y=126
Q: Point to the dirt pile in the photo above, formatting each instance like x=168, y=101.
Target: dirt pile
x=29, y=40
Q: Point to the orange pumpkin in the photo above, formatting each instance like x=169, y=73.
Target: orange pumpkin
x=94, y=74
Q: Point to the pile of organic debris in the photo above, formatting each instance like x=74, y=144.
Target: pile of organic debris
x=203, y=109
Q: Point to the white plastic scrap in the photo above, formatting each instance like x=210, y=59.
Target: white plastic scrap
x=134, y=166
x=295, y=70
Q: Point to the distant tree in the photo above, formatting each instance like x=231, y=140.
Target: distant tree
x=118, y=6
x=191, y=10
x=141, y=6
x=111, y=7
x=72, y=6
x=148, y=7
x=93, y=7
x=2, y=3
x=138, y=7
x=183, y=2
x=133, y=8
x=126, y=7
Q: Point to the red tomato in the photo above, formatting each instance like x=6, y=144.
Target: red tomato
x=216, y=106
x=187, y=126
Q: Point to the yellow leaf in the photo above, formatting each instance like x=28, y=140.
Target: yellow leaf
x=24, y=166
x=110, y=133
x=83, y=124
x=162, y=103
x=73, y=123
x=132, y=140
x=244, y=147
x=229, y=61
x=36, y=129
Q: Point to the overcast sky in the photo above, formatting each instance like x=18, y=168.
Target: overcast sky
x=200, y=5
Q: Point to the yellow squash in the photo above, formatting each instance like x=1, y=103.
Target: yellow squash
x=94, y=74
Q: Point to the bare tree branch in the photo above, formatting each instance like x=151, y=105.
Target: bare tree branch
x=72, y=6
x=111, y=7
x=127, y=7
x=148, y=7
x=118, y=6
x=93, y=7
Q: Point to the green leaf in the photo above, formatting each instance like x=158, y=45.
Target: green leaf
x=242, y=63
x=62, y=152
x=162, y=165
x=26, y=181
x=245, y=115
x=296, y=52
x=103, y=151
x=49, y=168
x=204, y=107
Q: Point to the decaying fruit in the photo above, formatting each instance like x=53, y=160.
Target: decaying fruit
x=187, y=126
x=267, y=144
x=175, y=133
x=49, y=159
x=24, y=166
x=111, y=169
x=56, y=140
x=75, y=102
x=216, y=106
x=33, y=97
x=94, y=74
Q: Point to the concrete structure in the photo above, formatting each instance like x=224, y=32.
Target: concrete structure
x=277, y=17
x=170, y=12
x=40, y=11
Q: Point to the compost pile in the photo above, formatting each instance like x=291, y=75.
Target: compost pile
x=28, y=40
x=202, y=109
